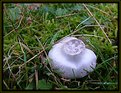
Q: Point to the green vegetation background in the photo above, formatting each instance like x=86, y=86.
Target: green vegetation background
x=30, y=31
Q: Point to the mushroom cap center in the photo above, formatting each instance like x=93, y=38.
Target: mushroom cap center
x=73, y=47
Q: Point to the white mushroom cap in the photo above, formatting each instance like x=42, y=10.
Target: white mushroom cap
x=71, y=58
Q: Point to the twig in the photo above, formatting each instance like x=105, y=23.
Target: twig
x=31, y=59
x=48, y=60
x=66, y=15
x=9, y=33
x=96, y=22
x=27, y=48
x=11, y=49
x=98, y=10
x=82, y=28
x=82, y=22
x=42, y=47
x=88, y=35
x=10, y=69
x=6, y=85
x=36, y=76
x=19, y=22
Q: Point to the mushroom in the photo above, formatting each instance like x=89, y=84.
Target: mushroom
x=71, y=58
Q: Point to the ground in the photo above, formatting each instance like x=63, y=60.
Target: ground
x=30, y=31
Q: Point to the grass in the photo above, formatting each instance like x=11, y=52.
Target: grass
x=30, y=31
